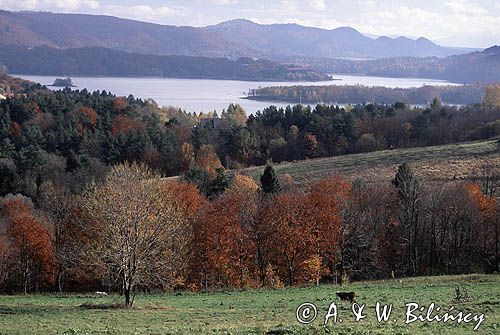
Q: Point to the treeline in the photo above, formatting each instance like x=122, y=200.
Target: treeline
x=135, y=232
x=97, y=61
x=72, y=137
x=344, y=94
x=73, y=201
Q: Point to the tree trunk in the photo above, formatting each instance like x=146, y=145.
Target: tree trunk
x=126, y=292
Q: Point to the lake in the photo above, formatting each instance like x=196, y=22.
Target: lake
x=195, y=95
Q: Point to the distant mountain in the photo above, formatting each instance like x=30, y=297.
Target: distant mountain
x=97, y=61
x=473, y=67
x=233, y=39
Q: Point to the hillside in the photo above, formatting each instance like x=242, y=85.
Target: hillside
x=447, y=162
x=237, y=38
x=12, y=86
x=97, y=61
x=480, y=66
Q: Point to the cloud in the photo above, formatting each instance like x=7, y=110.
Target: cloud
x=317, y=4
x=222, y=2
x=144, y=12
x=65, y=5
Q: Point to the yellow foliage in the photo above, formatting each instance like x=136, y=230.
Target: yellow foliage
x=244, y=183
x=491, y=97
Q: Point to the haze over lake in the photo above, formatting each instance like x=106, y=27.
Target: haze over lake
x=196, y=95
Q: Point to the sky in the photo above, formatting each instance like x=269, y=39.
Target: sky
x=448, y=22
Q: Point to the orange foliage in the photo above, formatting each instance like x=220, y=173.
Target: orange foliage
x=30, y=241
x=187, y=197
x=327, y=198
x=486, y=205
x=120, y=104
x=289, y=218
x=244, y=184
x=124, y=124
x=89, y=112
x=230, y=255
x=207, y=159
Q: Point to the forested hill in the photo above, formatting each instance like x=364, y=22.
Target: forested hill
x=474, y=67
x=466, y=94
x=97, y=61
x=234, y=39
x=11, y=86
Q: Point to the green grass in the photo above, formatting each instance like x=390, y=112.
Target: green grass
x=254, y=312
x=446, y=162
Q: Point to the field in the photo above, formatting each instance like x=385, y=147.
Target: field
x=447, y=162
x=256, y=312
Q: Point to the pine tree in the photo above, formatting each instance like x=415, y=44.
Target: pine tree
x=405, y=181
x=269, y=181
x=221, y=182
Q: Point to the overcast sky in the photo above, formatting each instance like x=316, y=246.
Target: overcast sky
x=449, y=22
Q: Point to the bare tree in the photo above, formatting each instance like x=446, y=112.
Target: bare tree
x=409, y=189
x=135, y=223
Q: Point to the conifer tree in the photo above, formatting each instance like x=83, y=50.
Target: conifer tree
x=269, y=181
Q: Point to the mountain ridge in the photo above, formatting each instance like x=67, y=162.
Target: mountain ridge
x=99, y=61
x=232, y=39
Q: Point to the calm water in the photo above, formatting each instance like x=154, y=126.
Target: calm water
x=195, y=95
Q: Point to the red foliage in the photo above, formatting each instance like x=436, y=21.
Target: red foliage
x=89, y=112
x=123, y=124
x=293, y=244
x=30, y=243
x=15, y=130
x=231, y=252
x=120, y=104
x=328, y=198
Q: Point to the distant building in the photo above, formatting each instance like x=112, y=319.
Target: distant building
x=2, y=97
x=215, y=123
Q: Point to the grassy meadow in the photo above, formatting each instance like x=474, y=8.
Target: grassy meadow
x=445, y=162
x=255, y=311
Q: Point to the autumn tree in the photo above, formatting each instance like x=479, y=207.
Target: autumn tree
x=29, y=244
x=235, y=114
x=186, y=153
x=188, y=202
x=292, y=245
x=487, y=230
x=58, y=204
x=334, y=232
x=231, y=255
x=244, y=183
x=491, y=97
x=136, y=225
x=208, y=160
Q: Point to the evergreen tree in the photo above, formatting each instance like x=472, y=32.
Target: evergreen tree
x=405, y=181
x=269, y=181
x=5, y=124
x=221, y=182
x=72, y=162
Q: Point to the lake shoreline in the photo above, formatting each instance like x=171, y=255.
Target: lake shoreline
x=207, y=95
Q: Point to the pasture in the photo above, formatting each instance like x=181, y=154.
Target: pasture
x=262, y=311
x=439, y=163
